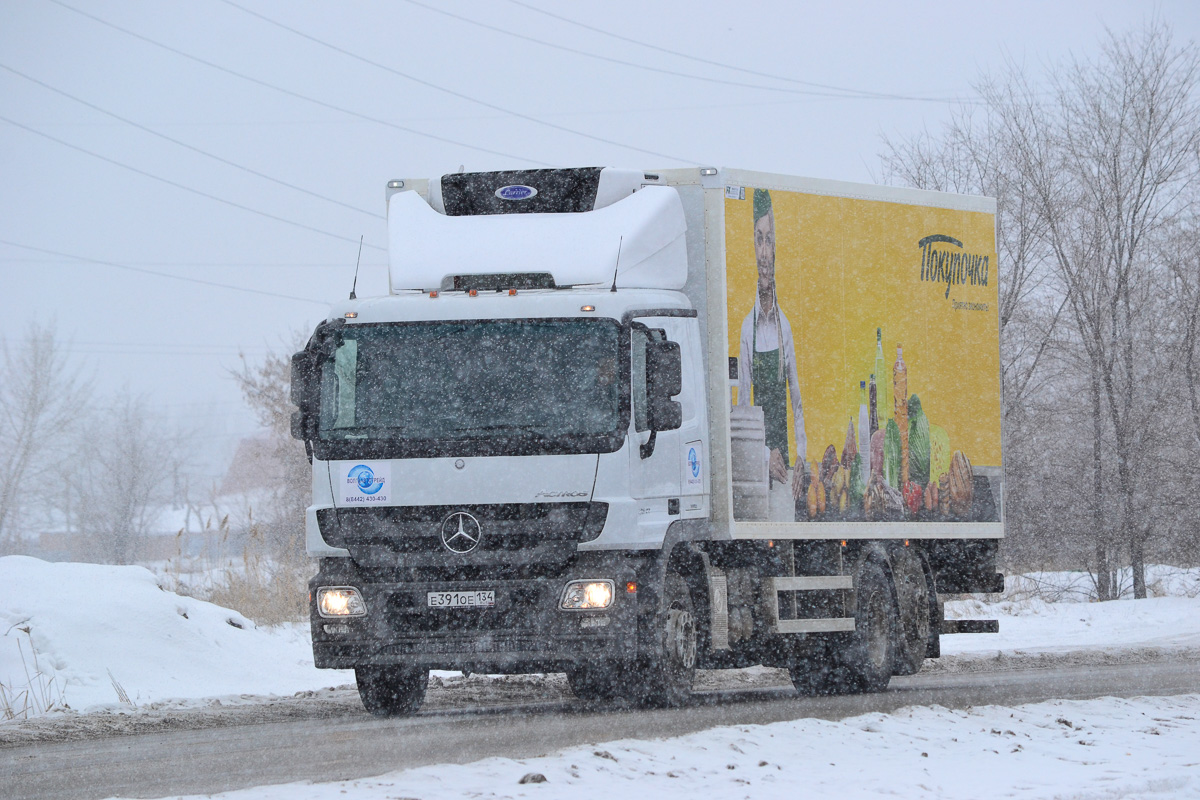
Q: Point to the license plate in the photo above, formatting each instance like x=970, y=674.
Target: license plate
x=476, y=599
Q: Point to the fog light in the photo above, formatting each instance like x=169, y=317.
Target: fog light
x=340, y=601
x=587, y=595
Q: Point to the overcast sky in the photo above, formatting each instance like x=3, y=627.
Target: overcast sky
x=98, y=207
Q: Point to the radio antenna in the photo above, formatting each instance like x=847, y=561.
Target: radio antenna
x=354, y=286
x=620, y=242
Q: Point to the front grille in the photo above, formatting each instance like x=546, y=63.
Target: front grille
x=410, y=536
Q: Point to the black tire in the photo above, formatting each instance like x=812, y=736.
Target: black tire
x=596, y=681
x=664, y=678
x=915, y=625
x=391, y=691
x=866, y=663
x=816, y=675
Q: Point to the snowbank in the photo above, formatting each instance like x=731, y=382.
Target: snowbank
x=1050, y=612
x=100, y=631
x=1107, y=748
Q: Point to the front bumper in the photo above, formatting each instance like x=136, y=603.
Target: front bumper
x=525, y=630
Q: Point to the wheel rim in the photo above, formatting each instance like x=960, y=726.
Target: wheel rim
x=681, y=637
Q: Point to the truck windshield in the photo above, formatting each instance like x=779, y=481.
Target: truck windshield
x=546, y=385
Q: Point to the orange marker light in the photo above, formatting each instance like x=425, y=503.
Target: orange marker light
x=631, y=587
x=906, y=542
x=473, y=292
x=843, y=542
x=587, y=308
x=512, y=292
x=433, y=294
x=770, y=542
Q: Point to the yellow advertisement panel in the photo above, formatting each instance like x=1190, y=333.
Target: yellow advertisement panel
x=866, y=335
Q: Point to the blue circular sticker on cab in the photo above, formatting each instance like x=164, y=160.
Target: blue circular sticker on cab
x=364, y=478
x=694, y=462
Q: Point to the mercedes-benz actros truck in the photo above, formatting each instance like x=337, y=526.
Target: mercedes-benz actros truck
x=628, y=424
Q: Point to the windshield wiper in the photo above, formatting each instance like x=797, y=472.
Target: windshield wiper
x=530, y=429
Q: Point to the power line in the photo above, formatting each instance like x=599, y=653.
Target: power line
x=160, y=274
x=194, y=149
x=290, y=93
x=661, y=70
x=864, y=93
x=451, y=92
x=177, y=185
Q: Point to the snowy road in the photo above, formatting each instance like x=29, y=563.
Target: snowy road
x=347, y=744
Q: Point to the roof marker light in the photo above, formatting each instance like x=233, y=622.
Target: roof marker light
x=433, y=293
x=351, y=315
x=473, y=292
x=708, y=171
x=395, y=184
x=587, y=308
x=512, y=292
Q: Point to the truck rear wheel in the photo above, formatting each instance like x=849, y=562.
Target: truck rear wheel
x=391, y=691
x=665, y=678
x=867, y=661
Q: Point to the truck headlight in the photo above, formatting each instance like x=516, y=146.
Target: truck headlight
x=340, y=601
x=587, y=595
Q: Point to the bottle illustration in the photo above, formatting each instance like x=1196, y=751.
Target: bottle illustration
x=880, y=371
x=864, y=428
x=872, y=393
x=900, y=412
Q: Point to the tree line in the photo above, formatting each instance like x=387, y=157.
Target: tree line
x=1096, y=170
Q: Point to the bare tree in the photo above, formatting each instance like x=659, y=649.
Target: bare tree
x=266, y=387
x=1108, y=162
x=126, y=459
x=1091, y=182
x=41, y=396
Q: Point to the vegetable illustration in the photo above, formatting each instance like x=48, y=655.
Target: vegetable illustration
x=943, y=494
x=912, y=497
x=829, y=463
x=891, y=454
x=931, y=496
x=877, y=453
x=850, y=448
x=858, y=482
x=918, y=442
x=962, y=484
x=816, y=495
x=939, y=452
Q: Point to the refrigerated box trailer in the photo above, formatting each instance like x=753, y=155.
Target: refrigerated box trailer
x=626, y=424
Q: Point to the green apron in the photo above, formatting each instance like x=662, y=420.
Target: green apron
x=770, y=392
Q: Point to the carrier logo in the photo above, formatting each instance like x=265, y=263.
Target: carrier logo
x=366, y=483
x=516, y=192
x=461, y=533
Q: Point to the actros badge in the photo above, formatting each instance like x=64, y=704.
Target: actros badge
x=461, y=532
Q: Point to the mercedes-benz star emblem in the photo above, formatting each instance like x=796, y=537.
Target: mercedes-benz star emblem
x=461, y=532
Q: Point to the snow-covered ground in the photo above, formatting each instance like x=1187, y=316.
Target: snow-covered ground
x=92, y=637
x=95, y=637
x=1103, y=749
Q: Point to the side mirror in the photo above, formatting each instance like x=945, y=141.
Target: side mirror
x=304, y=391
x=664, y=380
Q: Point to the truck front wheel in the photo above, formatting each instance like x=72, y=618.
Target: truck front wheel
x=391, y=691
x=665, y=678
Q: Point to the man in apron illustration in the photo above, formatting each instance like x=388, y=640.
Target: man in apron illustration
x=767, y=370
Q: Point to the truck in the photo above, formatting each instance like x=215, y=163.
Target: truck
x=627, y=424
